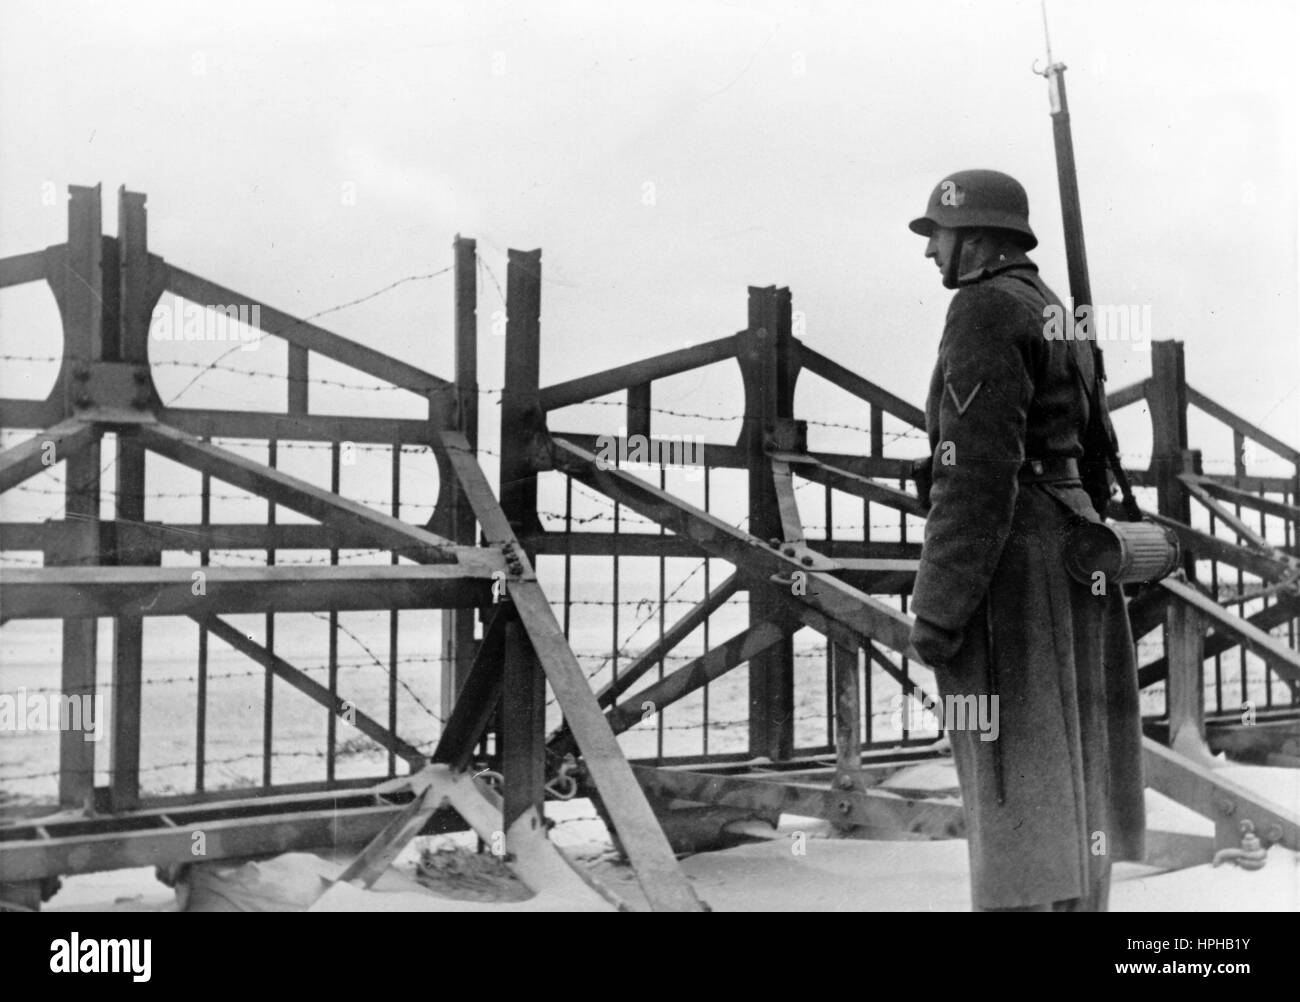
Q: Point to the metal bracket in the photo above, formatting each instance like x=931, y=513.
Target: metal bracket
x=111, y=392
x=786, y=435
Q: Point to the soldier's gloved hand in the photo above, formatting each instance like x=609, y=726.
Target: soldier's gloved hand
x=921, y=473
x=936, y=646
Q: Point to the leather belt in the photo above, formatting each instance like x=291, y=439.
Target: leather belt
x=1054, y=468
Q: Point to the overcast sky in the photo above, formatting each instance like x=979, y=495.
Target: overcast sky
x=665, y=156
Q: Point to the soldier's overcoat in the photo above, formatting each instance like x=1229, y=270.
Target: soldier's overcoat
x=1062, y=783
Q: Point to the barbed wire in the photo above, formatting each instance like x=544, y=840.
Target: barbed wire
x=368, y=746
x=390, y=670
x=241, y=346
x=85, y=487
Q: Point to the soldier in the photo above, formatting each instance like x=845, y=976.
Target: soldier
x=1058, y=794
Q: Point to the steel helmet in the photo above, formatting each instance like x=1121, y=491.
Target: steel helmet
x=978, y=198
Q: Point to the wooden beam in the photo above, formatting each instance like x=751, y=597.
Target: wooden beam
x=864, y=389
x=638, y=410
x=72, y=592
x=732, y=457
x=1206, y=547
x=34, y=414
x=1275, y=445
x=648, y=850
x=1216, y=797
x=673, y=636
x=695, y=674
x=479, y=697
x=301, y=496
x=848, y=717
x=297, y=378
x=646, y=544
x=857, y=612
x=1219, y=641
x=130, y=342
x=520, y=414
x=20, y=268
x=208, y=423
x=1185, y=644
x=860, y=486
x=42, y=451
x=1268, y=506
x=1277, y=655
x=1126, y=395
x=389, y=842
x=191, y=537
x=787, y=503
x=561, y=740
x=453, y=516
x=305, y=334
x=523, y=727
x=1229, y=519
x=623, y=377
x=643, y=840
x=235, y=833
x=763, y=354
x=75, y=275
x=883, y=813
x=1167, y=400
x=310, y=688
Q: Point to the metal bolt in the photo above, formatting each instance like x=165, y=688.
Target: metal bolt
x=807, y=561
x=83, y=400
x=774, y=543
x=844, y=807
x=788, y=551
x=846, y=782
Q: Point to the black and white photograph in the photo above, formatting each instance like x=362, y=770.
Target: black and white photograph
x=779, y=456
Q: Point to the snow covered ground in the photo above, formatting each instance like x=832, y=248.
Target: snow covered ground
x=831, y=874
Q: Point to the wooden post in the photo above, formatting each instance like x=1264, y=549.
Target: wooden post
x=130, y=344
x=297, y=378
x=520, y=413
x=1168, y=401
x=848, y=718
x=1185, y=650
x=458, y=643
x=523, y=704
x=523, y=742
x=769, y=395
x=78, y=289
x=638, y=410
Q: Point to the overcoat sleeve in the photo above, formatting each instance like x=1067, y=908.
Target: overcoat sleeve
x=986, y=366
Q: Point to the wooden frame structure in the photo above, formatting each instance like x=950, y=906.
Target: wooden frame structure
x=479, y=551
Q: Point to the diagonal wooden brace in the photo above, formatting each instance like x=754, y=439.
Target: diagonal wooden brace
x=315, y=502
x=42, y=451
x=648, y=850
x=309, y=687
